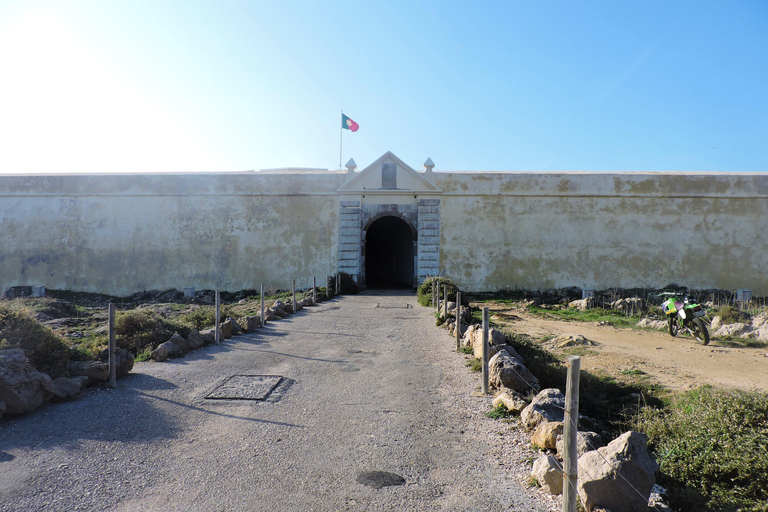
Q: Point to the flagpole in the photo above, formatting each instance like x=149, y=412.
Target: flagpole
x=341, y=132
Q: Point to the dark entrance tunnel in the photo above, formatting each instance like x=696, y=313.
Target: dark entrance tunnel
x=389, y=254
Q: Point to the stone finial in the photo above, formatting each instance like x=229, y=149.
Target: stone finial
x=429, y=165
x=351, y=165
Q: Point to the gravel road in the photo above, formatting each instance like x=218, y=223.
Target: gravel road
x=369, y=385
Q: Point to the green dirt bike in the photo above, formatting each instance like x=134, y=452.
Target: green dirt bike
x=685, y=315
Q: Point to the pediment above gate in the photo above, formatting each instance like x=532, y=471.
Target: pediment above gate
x=389, y=175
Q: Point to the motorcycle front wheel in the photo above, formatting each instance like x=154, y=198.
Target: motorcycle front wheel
x=699, y=329
x=672, y=327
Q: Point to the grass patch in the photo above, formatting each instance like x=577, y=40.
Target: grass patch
x=474, y=364
x=467, y=350
x=714, y=444
x=613, y=317
x=498, y=412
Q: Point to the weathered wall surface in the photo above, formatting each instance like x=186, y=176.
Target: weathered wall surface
x=120, y=234
x=603, y=230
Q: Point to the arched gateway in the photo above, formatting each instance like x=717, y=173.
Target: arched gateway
x=389, y=224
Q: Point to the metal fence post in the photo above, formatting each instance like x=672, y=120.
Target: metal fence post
x=314, y=291
x=293, y=293
x=458, y=320
x=338, y=283
x=112, y=355
x=262, y=304
x=445, y=302
x=570, y=460
x=218, y=317
x=485, y=351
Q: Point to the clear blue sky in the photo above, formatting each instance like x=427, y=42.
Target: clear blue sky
x=108, y=86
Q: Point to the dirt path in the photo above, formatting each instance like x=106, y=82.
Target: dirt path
x=370, y=385
x=678, y=363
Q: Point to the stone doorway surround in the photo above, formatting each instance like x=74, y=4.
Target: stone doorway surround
x=389, y=187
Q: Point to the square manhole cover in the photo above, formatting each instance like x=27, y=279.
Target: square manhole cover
x=245, y=387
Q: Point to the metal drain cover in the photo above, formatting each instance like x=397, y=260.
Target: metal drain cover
x=245, y=387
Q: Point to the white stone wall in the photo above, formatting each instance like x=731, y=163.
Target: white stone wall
x=120, y=234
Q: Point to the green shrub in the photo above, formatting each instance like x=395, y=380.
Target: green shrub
x=713, y=444
x=728, y=314
x=201, y=318
x=424, y=291
x=348, y=284
x=138, y=329
x=46, y=352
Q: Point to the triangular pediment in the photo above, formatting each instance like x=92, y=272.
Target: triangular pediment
x=389, y=175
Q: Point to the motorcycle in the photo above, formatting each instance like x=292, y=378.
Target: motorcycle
x=684, y=314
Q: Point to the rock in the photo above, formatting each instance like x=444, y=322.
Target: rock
x=653, y=324
x=22, y=388
x=181, y=342
x=225, y=330
x=731, y=330
x=95, y=371
x=548, y=474
x=196, y=340
x=716, y=323
x=546, y=434
x=234, y=328
x=209, y=336
x=123, y=360
x=630, y=305
x=759, y=321
x=495, y=339
x=585, y=441
x=761, y=334
x=166, y=350
x=548, y=405
x=504, y=371
x=619, y=476
x=583, y=304
x=270, y=315
x=249, y=323
x=569, y=340
x=512, y=400
x=469, y=335
x=67, y=388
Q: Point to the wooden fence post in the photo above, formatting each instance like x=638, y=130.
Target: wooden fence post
x=458, y=321
x=262, y=304
x=293, y=294
x=112, y=358
x=314, y=291
x=218, y=317
x=445, y=302
x=570, y=459
x=485, y=351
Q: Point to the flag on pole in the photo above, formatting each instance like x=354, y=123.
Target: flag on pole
x=349, y=124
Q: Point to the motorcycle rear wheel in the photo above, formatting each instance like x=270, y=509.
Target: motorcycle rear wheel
x=699, y=329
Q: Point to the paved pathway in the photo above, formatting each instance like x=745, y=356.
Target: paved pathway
x=365, y=389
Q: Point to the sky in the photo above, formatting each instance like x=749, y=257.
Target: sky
x=226, y=86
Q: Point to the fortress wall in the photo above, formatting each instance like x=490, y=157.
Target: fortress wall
x=120, y=234
x=602, y=230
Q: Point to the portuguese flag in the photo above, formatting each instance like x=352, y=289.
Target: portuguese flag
x=349, y=124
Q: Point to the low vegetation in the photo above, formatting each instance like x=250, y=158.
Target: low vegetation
x=424, y=291
x=46, y=352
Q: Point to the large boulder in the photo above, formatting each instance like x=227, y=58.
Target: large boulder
x=195, y=340
x=123, y=361
x=585, y=441
x=583, y=304
x=234, y=328
x=22, y=388
x=209, y=336
x=546, y=434
x=652, y=324
x=181, y=342
x=96, y=371
x=732, y=330
x=505, y=371
x=225, y=329
x=512, y=400
x=548, y=405
x=67, y=388
x=166, y=350
x=619, y=476
x=270, y=315
x=548, y=474
x=496, y=339
x=468, y=339
x=249, y=323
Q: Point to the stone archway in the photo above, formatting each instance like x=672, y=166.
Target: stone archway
x=389, y=253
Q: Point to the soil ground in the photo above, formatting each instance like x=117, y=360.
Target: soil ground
x=626, y=354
